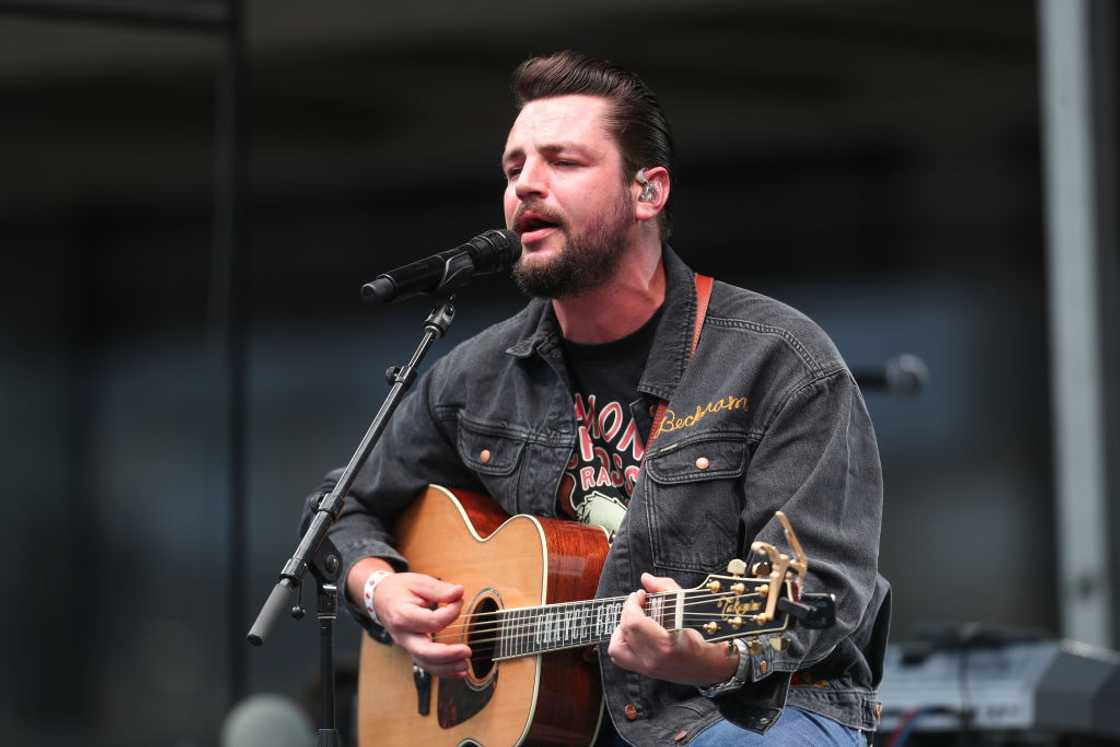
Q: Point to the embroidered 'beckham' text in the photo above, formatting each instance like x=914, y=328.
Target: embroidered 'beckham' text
x=673, y=423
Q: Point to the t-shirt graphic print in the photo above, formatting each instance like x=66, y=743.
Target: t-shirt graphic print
x=603, y=469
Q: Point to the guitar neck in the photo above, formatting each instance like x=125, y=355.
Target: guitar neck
x=528, y=631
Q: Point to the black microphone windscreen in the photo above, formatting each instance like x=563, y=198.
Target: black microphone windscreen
x=497, y=250
x=380, y=289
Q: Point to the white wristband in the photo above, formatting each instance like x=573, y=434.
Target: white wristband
x=371, y=586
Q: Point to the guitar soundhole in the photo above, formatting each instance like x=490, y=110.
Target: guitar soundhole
x=482, y=638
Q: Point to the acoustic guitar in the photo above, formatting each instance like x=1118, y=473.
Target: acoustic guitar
x=531, y=621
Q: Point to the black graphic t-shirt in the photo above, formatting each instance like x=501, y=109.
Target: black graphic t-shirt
x=600, y=476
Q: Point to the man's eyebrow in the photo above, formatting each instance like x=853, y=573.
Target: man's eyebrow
x=550, y=148
x=561, y=147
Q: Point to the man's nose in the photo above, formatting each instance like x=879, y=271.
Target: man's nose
x=532, y=181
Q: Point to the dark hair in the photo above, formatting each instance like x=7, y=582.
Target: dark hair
x=636, y=121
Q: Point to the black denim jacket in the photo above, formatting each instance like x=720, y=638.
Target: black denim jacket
x=794, y=435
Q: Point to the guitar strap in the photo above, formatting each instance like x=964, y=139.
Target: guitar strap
x=703, y=294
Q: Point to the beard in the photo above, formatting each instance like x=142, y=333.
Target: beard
x=586, y=261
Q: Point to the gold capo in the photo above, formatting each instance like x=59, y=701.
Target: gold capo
x=780, y=565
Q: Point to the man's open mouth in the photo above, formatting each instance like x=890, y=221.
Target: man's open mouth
x=533, y=227
x=532, y=222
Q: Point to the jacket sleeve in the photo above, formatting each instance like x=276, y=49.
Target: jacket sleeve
x=818, y=461
x=416, y=448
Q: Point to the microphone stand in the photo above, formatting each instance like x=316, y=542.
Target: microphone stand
x=318, y=554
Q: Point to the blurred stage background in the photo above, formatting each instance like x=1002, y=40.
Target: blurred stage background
x=877, y=164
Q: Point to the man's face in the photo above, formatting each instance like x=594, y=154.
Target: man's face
x=565, y=196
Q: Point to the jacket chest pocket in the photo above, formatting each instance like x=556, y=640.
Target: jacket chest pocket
x=694, y=502
x=494, y=454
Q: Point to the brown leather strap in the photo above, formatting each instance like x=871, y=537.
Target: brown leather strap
x=703, y=295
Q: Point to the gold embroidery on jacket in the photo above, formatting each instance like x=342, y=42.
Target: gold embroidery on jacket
x=673, y=423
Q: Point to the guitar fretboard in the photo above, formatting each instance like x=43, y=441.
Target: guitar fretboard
x=528, y=631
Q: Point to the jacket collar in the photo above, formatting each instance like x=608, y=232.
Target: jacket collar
x=672, y=341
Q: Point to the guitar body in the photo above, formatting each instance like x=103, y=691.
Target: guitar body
x=503, y=563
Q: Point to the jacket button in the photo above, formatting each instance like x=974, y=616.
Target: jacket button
x=680, y=736
x=703, y=463
x=484, y=456
x=630, y=711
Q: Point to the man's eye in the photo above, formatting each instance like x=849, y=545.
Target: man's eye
x=511, y=173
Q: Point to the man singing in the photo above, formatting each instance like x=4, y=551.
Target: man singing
x=591, y=404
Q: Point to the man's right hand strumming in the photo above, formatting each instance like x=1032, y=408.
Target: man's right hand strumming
x=404, y=603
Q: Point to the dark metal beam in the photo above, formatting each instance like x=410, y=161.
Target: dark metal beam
x=203, y=15
x=229, y=318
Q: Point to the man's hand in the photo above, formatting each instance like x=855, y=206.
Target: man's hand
x=641, y=645
x=404, y=603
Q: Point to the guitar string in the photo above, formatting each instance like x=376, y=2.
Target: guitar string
x=689, y=594
x=569, y=641
x=534, y=621
x=514, y=629
x=517, y=630
x=512, y=650
x=532, y=629
x=521, y=633
x=603, y=603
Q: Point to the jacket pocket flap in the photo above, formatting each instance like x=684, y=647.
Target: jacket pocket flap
x=702, y=457
x=487, y=449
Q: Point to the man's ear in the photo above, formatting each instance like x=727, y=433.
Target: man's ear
x=651, y=191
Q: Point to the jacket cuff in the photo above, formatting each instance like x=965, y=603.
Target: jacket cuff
x=762, y=661
x=756, y=706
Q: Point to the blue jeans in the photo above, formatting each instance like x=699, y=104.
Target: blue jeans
x=795, y=728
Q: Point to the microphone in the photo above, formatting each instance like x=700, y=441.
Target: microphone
x=267, y=721
x=902, y=376
x=445, y=272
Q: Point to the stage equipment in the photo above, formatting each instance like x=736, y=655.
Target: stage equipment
x=988, y=682
x=444, y=273
x=266, y=721
x=904, y=375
